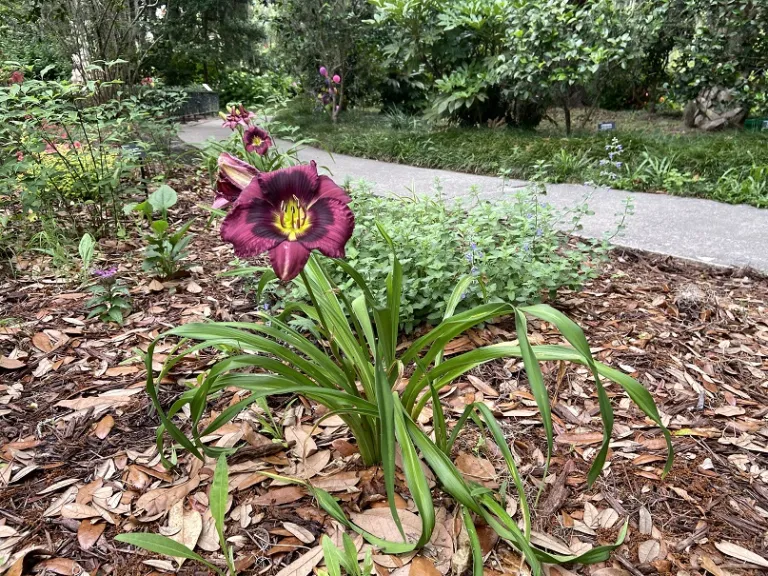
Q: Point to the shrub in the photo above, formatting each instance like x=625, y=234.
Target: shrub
x=510, y=247
x=256, y=88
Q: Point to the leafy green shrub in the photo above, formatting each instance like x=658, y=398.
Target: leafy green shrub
x=738, y=187
x=165, y=249
x=509, y=247
x=111, y=300
x=255, y=88
x=71, y=153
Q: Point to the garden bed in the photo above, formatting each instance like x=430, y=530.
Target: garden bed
x=75, y=425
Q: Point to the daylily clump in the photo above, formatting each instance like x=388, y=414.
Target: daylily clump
x=287, y=213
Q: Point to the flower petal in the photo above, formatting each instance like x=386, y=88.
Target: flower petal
x=282, y=185
x=288, y=259
x=237, y=172
x=327, y=188
x=220, y=201
x=250, y=227
x=331, y=227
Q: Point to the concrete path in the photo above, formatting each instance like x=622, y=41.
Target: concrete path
x=699, y=230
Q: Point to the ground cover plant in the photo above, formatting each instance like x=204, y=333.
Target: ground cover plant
x=718, y=166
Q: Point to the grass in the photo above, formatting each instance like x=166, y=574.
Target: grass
x=659, y=155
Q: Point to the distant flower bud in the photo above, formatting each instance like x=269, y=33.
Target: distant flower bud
x=336, y=78
x=323, y=71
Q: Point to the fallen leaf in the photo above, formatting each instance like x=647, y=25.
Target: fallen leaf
x=279, y=496
x=104, y=427
x=88, y=533
x=301, y=533
x=60, y=566
x=194, y=288
x=161, y=499
x=379, y=522
x=156, y=286
x=79, y=511
x=736, y=551
x=186, y=525
x=42, y=342
x=477, y=470
x=421, y=566
x=304, y=564
x=11, y=363
x=116, y=371
x=648, y=551
x=579, y=439
x=341, y=481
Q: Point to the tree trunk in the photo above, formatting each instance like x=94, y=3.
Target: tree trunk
x=567, y=112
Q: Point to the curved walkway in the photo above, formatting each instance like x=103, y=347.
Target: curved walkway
x=691, y=228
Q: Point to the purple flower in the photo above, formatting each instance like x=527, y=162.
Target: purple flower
x=105, y=272
x=323, y=71
x=289, y=213
x=336, y=78
x=257, y=140
x=234, y=175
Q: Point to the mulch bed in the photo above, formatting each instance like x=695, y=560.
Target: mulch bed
x=78, y=462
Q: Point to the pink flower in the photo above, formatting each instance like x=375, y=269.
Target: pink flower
x=336, y=78
x=323, y=71
x=17, y=77
x=49, y=149
x=257, y=140
x=289, y=213
x=148, y=81
x=78, y=146
x=19, y=156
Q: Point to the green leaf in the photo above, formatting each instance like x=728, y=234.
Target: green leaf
x=160, y=226
x=86, y=249
x=116, y=315
x=163, y=198
x=160, y=544
x=218, y=498
x=474, y=543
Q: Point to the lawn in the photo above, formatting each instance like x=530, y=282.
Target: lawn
x=658, y=153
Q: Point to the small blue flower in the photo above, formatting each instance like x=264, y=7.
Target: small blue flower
x=618, y=164
x=603, y=162
x=539, y=232
x=473, y=246
x=463, y=295
x=478, y=254
x=526, y=246
x=475, y=271
x=619, y=147
x=468, y=256
x=265, y=306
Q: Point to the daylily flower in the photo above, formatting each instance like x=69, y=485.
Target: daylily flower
x=289, y=213
x=245, y=116
x=257, y=140
x=336, y=78
x=231, y=120
x=234, y=176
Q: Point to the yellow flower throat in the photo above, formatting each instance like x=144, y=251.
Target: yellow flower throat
x=292, y=219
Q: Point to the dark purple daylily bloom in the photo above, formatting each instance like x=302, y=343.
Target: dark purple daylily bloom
x=234, y=176
x=289, y=213
x=257, y=140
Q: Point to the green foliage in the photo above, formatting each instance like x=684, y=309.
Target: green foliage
x=87, y=251
x=315, y=33
x=256, y=89
x=110, y=301
x=199, y=40
x=354, y=368
x=338, y=558
x=71, y=153
x=509, y=248
x=722, y=43
x=166, y=249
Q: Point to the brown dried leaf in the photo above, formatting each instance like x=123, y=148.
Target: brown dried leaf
x=104, y=427
x=279, y=496
x=379, y=522
x=79, y=511
x=88, y=533
x=304, y=564
x=301, y=533
x=64, y=566
x=477, y=470
x=161, y=499
x=421, y=566
x=186, y=526
x=648, y=551
x=740, y=553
